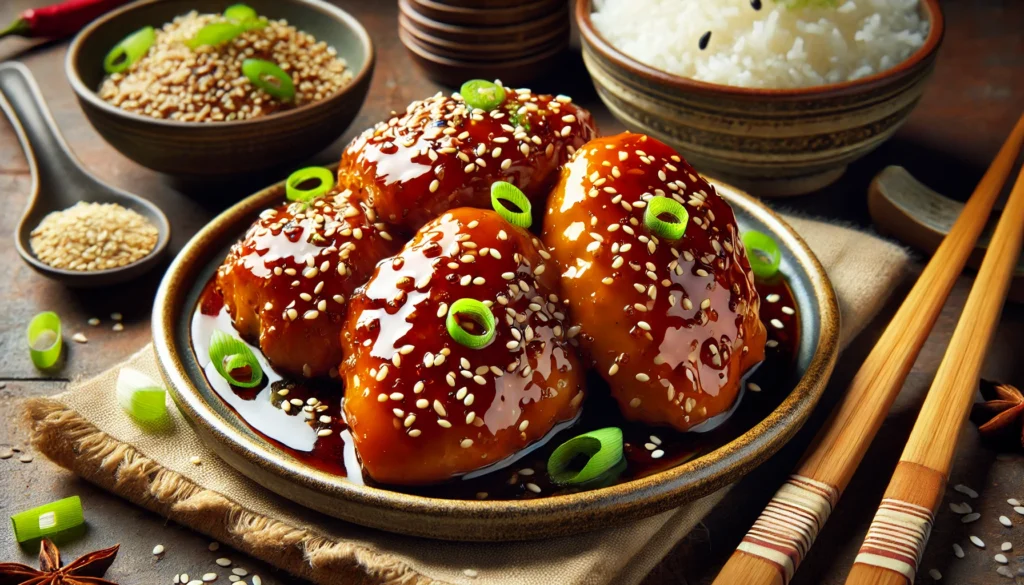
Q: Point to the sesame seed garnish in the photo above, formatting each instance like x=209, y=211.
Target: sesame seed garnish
x=466, y=443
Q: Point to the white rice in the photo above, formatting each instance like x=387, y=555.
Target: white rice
x=774, y=47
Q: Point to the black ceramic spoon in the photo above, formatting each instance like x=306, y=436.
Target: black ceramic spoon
x=59, y=181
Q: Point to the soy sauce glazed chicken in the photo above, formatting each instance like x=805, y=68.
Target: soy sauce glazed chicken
x=286, y=283
x=446, y=151
x=669, y=317
x=433, y=390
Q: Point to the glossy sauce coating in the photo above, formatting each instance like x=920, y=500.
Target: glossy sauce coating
x=671, y=325
x=286, y=283
x=441, y=154
x=422, y=407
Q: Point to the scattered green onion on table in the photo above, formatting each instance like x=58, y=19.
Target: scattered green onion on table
x=48, y=519
x=140, y=396
x=586, y=457
x=295, y=189
x=668, y=229
x=503, y=194
x=764, y=254
x=230, y=354
x=44, y=339
x=479, y=314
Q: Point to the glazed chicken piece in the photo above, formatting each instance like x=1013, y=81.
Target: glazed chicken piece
x=441, y=154
x=286, y=283
x=422, y=407
x=672, y=325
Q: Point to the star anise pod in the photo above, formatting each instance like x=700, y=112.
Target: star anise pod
x=86, y=570
x=1000, y=418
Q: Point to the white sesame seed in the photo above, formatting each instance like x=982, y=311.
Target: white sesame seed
x=1005, y=521
x=977, y=541
x=965, y=490
x=641, y=377
x=466, y=443
x=208, y=577
x=958, y=551
x=533, y=487
x=753, y=387
x=223, y=561
x=962, y=508
x=195, y=460
x=968, y=518
x=1001, y=559
x=1013, y=502
x=1006, y=546
x=657, y=454
x=634, y=402
x=79, y=338
x=935, y=574
x=158, y=550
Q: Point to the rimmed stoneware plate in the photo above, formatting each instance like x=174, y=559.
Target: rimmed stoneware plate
x=491, y=520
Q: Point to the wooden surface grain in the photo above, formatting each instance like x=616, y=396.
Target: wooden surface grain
x=976, y=95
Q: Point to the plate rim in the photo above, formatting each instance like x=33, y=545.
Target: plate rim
x=486, y=520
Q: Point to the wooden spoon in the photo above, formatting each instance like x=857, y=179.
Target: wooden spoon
x=59, y=181
x=904, y=208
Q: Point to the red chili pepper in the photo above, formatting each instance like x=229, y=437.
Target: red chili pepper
x=59, y=20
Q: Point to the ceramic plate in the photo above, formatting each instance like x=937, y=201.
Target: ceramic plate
x=751, y=441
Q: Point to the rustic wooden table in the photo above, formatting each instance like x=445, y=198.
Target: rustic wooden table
x=974, y=98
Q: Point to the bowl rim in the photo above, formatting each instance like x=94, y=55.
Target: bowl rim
x=85, y=93
x=658, y=492
x=904, y=69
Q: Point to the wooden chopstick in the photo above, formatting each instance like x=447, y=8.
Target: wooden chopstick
x=784, y=532
x=899, y=532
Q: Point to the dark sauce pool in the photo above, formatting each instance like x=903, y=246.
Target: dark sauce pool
x=316, y=407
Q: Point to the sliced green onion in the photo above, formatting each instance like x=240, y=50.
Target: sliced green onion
x=216, y=33
x=586, y=457
x=764, y=254
x=668, y=230
x=129, y=50
x=270, y=78
x=240, y=13
x=503, y=194
x=44, y=339
x=475, y=311
x=481, y=94
x=141, y=396
x=309, y=183
x=48, y=519
x=228, y=354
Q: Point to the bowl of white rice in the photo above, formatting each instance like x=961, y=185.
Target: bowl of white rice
x=776, y=97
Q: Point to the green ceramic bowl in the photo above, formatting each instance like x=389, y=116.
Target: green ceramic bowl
x=222, y=148
x=486, y=520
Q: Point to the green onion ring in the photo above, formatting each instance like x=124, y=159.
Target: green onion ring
x=229, y=353
x=48, y=519
x=482, y=95
x=764, y=254
x=270, y=78
x=502, y=192
x=140, y=396
x=323, y=176
x=668, y=230
x=480, y=314
x=240, y=13
x=216, y=33
x=44, y=339
x=129, y=50
x=602, y=448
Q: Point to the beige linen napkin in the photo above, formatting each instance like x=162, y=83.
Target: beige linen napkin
x=85, y=431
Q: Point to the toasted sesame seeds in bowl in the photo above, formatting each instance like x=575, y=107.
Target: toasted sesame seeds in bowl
x=191, y=120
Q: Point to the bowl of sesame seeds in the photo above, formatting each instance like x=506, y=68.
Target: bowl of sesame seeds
x=184, y=88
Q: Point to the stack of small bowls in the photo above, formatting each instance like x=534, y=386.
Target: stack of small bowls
x=511, y=40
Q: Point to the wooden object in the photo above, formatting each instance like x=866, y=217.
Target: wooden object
x=899, y=532
x=906, y=209
x=780, y=538
x=453, y=43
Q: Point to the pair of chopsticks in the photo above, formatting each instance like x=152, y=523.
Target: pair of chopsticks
x=785, y=531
